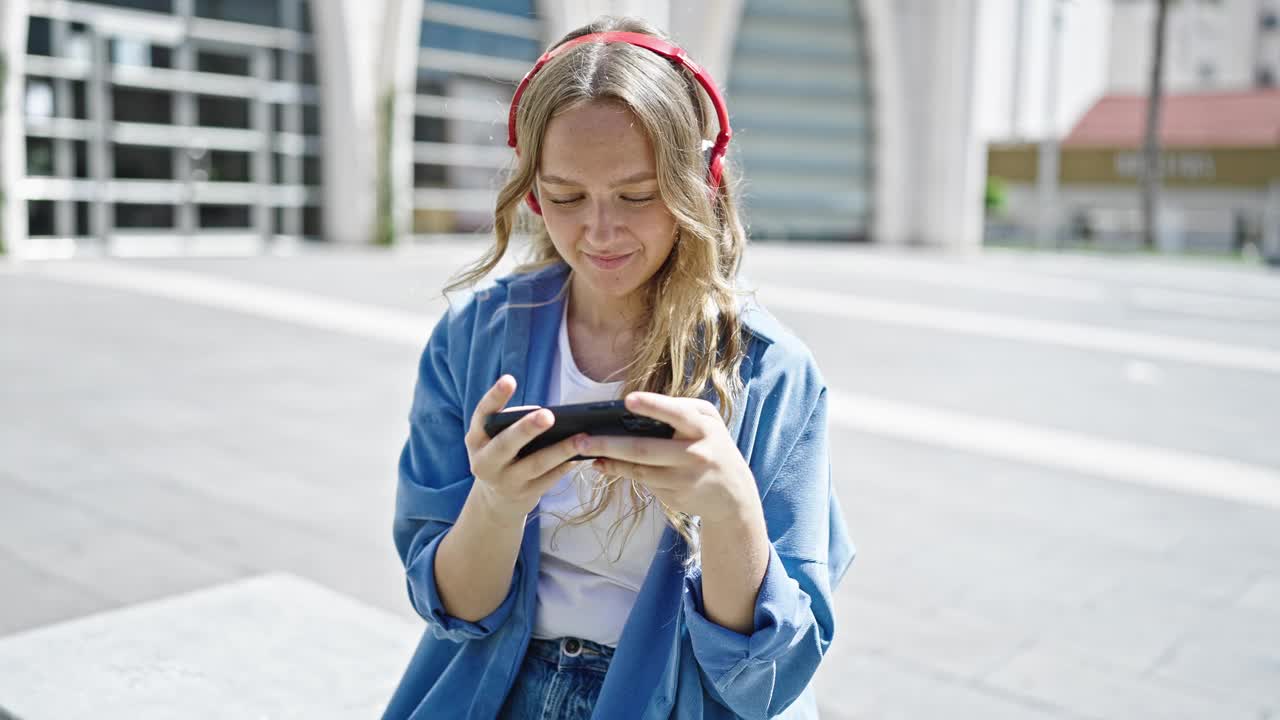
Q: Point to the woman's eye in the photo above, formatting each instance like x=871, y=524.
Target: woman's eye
x=637, y=199
x=566, y=201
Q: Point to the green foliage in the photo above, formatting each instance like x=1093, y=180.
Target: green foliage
x=995, y=196
x=385, y=230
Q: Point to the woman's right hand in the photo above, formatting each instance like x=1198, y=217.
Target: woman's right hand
x=511, y=487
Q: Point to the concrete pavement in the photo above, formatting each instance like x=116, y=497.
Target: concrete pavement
x=173, y=425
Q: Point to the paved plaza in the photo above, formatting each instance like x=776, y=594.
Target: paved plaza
x=1062, y=474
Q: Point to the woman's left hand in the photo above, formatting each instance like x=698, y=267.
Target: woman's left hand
x=698, y=472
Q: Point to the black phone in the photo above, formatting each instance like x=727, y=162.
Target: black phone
x=597, y=418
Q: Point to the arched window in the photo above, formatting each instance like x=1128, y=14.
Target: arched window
x=798, y=90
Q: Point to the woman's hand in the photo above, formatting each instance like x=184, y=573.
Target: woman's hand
x=511, y=487
x=699, y=471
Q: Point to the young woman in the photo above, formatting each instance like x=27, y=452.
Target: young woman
x=684, y=578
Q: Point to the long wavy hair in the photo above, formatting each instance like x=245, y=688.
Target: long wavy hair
x=690, y=340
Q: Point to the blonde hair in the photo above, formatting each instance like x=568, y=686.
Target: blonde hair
x=691, y=336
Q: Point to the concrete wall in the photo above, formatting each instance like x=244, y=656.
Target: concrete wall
x=13, y=45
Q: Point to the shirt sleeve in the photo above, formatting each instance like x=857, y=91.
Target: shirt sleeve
x=759, y=675
x=434, y=481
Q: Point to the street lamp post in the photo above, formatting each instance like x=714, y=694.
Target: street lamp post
x=1047, y=161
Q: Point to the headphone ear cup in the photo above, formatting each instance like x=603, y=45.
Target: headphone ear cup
x=532, y=201
x=715, y=172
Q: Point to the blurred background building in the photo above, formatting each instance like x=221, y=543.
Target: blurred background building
x=140, y=126
x=1219, y=132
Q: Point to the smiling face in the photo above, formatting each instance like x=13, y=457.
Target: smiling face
x=597, y=184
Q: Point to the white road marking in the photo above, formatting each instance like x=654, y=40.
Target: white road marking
x=930, y=272
x=1133, y=463
x=1096, y=457
x=1008, y=327
x=299, y=308
x=1213, y=305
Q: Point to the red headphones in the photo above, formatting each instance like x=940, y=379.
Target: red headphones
x=665, y=49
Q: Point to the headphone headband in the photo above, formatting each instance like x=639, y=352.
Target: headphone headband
x=671, y=52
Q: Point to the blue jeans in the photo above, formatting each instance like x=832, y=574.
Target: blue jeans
x=558, y=680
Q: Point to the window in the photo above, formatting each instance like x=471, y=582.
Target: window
x=79, y=101
x=161, y=56
x=162, y=6
x=428, y=129
x=311, y=170
x=138, y=215
x=308, y=62
x=40, y=218
x=222, y=63
x=522, y=8
x=128, y=51
x=214, y=111
x=310, y=120
x=38, y=99
x=40, y=157
x=277, y=169
x=477, y=42
x=141, y=162
x=131, y=51
x=312, y=221
x=141, y=106
x=39, y=36
x=428, y=175
x=256, y=12
x=277, y=64
x=82, y=219
x=80, y=157
x=225, y=216
x=229, y=166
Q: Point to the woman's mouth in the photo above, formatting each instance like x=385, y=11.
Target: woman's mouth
x=609, y=262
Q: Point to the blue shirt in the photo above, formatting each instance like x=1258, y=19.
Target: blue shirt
x=671, y=661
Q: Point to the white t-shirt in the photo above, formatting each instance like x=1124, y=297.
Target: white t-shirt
x=586, y=589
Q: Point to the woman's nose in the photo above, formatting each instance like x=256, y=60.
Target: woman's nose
x=600, y=226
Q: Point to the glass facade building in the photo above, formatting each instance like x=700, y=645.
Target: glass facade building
x=801, y=112
x=471, y=54
x=159, y=120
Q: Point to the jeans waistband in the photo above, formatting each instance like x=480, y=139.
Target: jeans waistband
x=567, y=652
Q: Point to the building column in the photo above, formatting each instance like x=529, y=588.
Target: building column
x=13, y=151
x=346, y=34
x=396, y=88
x=707, y=31
x=937, y=202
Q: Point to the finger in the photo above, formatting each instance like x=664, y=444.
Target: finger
x=548, y=480
x=657, y=452
x=686, y=415
x=547, y=459
x=651, y=477
x=501, y=450
x=493, y=401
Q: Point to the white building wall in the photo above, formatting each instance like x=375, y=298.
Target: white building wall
x=1014, y=54
x=1209, y=45
x=13, y=44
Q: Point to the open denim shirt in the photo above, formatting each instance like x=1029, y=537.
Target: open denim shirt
x=671, y=661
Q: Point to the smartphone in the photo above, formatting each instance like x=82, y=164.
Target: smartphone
x=597, y=418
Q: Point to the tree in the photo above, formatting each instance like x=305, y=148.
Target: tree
x=1151, y=175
